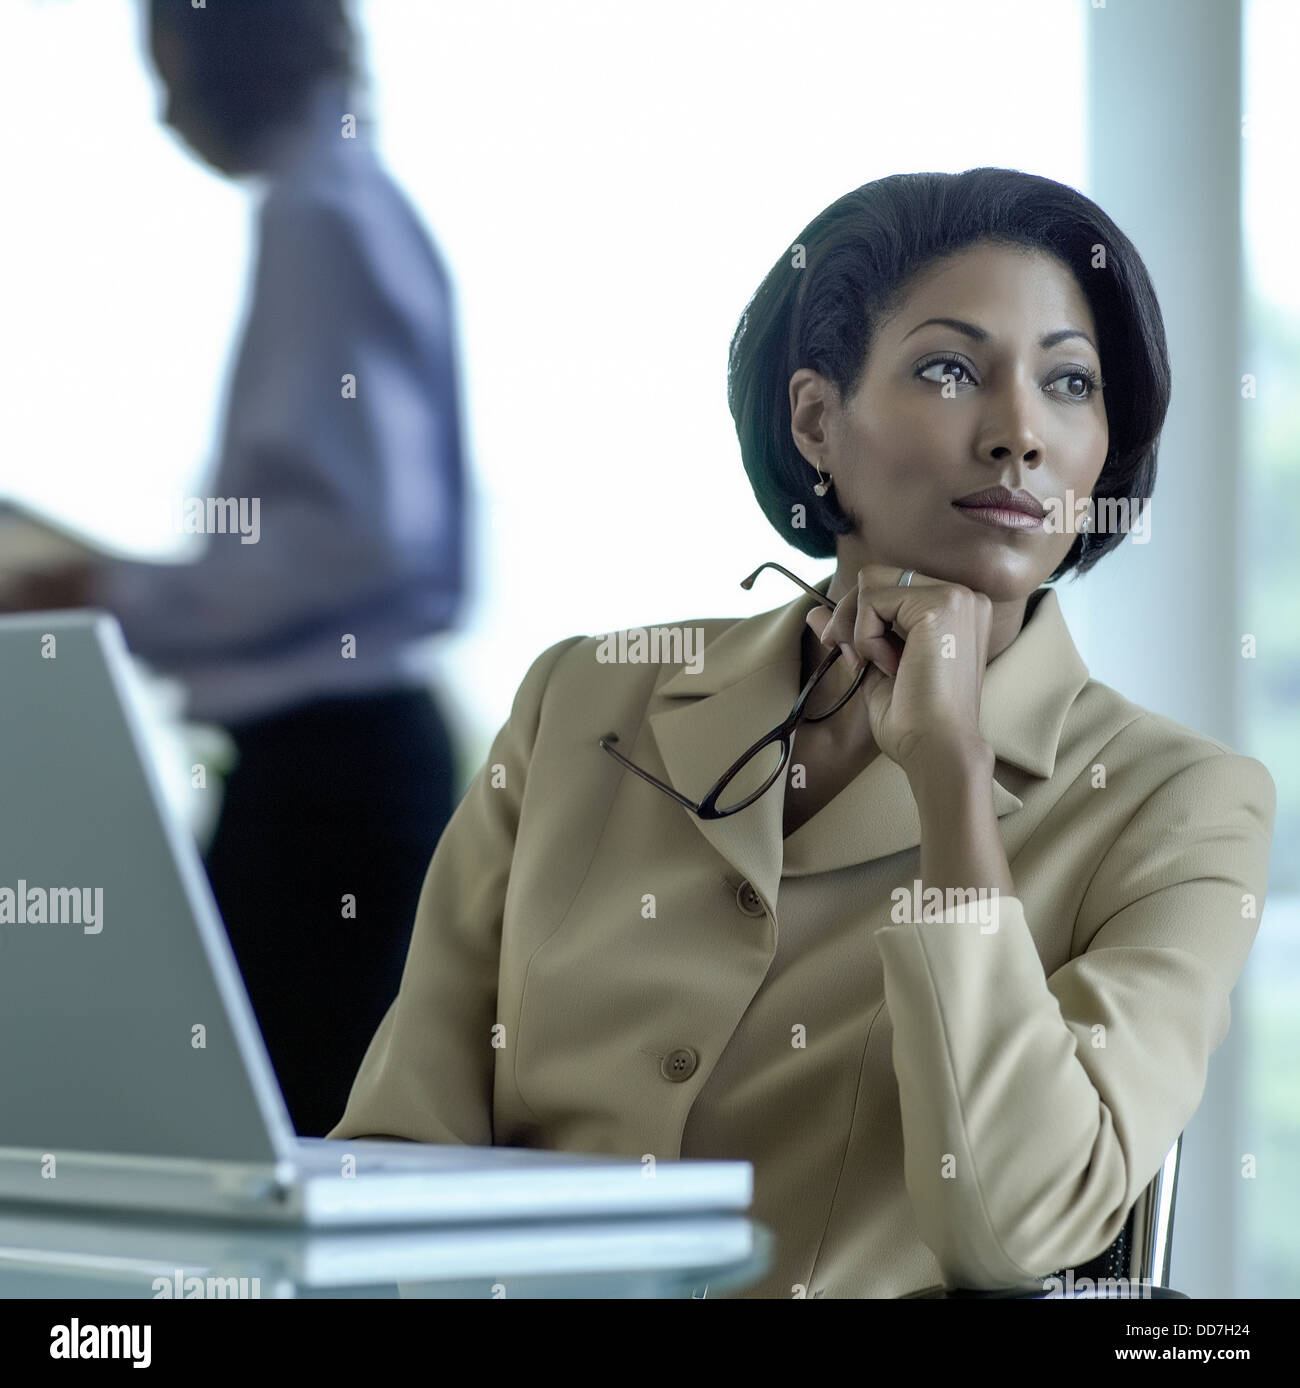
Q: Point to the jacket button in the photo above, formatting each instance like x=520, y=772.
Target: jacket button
x=679, y=1065
x=749, y=900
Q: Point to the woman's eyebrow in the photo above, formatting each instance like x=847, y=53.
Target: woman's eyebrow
x=979, y=335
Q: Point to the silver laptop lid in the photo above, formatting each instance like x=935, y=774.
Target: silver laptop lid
x=124, y=1024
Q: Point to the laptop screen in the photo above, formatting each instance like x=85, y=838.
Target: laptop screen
x=124, y=1026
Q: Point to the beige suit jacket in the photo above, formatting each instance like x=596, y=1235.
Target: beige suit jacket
x=923, y=1101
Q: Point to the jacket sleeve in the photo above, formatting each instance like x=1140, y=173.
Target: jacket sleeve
x=427, y=1073
x=1035, y=1109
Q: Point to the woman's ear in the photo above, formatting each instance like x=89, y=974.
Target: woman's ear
x=812, y=402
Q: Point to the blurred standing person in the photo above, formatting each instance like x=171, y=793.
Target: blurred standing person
x=301, y=635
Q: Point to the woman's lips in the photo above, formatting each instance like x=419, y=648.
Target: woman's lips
x=1001, y=517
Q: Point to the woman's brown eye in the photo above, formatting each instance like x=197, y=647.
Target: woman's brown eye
x=1090, y=385
x=953, y=366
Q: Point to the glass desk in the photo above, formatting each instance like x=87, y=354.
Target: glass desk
x=117, y=1256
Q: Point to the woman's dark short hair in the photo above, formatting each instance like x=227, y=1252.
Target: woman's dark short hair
x=851, y=267
x=254, y=63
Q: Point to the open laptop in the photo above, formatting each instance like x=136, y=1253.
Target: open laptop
x=132, y=1071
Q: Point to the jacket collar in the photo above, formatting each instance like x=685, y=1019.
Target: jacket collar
x=748, y=683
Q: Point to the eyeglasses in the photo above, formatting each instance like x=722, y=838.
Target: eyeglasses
x=762, y=758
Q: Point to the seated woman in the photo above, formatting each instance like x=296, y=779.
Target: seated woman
x=613, y=953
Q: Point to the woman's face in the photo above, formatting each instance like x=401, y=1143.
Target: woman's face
x=904, y=447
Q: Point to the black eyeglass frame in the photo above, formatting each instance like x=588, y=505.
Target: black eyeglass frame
x=708, y=807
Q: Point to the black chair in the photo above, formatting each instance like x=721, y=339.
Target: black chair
x=1135, y=1266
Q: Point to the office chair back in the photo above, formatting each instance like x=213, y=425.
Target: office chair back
x=1142, y=1251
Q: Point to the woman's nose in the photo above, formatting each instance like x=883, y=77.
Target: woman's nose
x=1012, y=424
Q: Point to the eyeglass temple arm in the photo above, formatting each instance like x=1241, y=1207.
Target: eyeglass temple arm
x=611, y=737
x=747, y=583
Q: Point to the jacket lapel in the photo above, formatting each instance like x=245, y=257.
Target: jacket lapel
x=748, y=683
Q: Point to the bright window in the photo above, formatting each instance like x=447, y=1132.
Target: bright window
x=1269, y=1258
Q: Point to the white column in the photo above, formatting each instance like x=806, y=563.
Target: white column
x=1159, y=622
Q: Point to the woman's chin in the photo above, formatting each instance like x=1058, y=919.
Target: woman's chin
x=1011, y=580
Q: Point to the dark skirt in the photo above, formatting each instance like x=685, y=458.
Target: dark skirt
x=335, y=802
